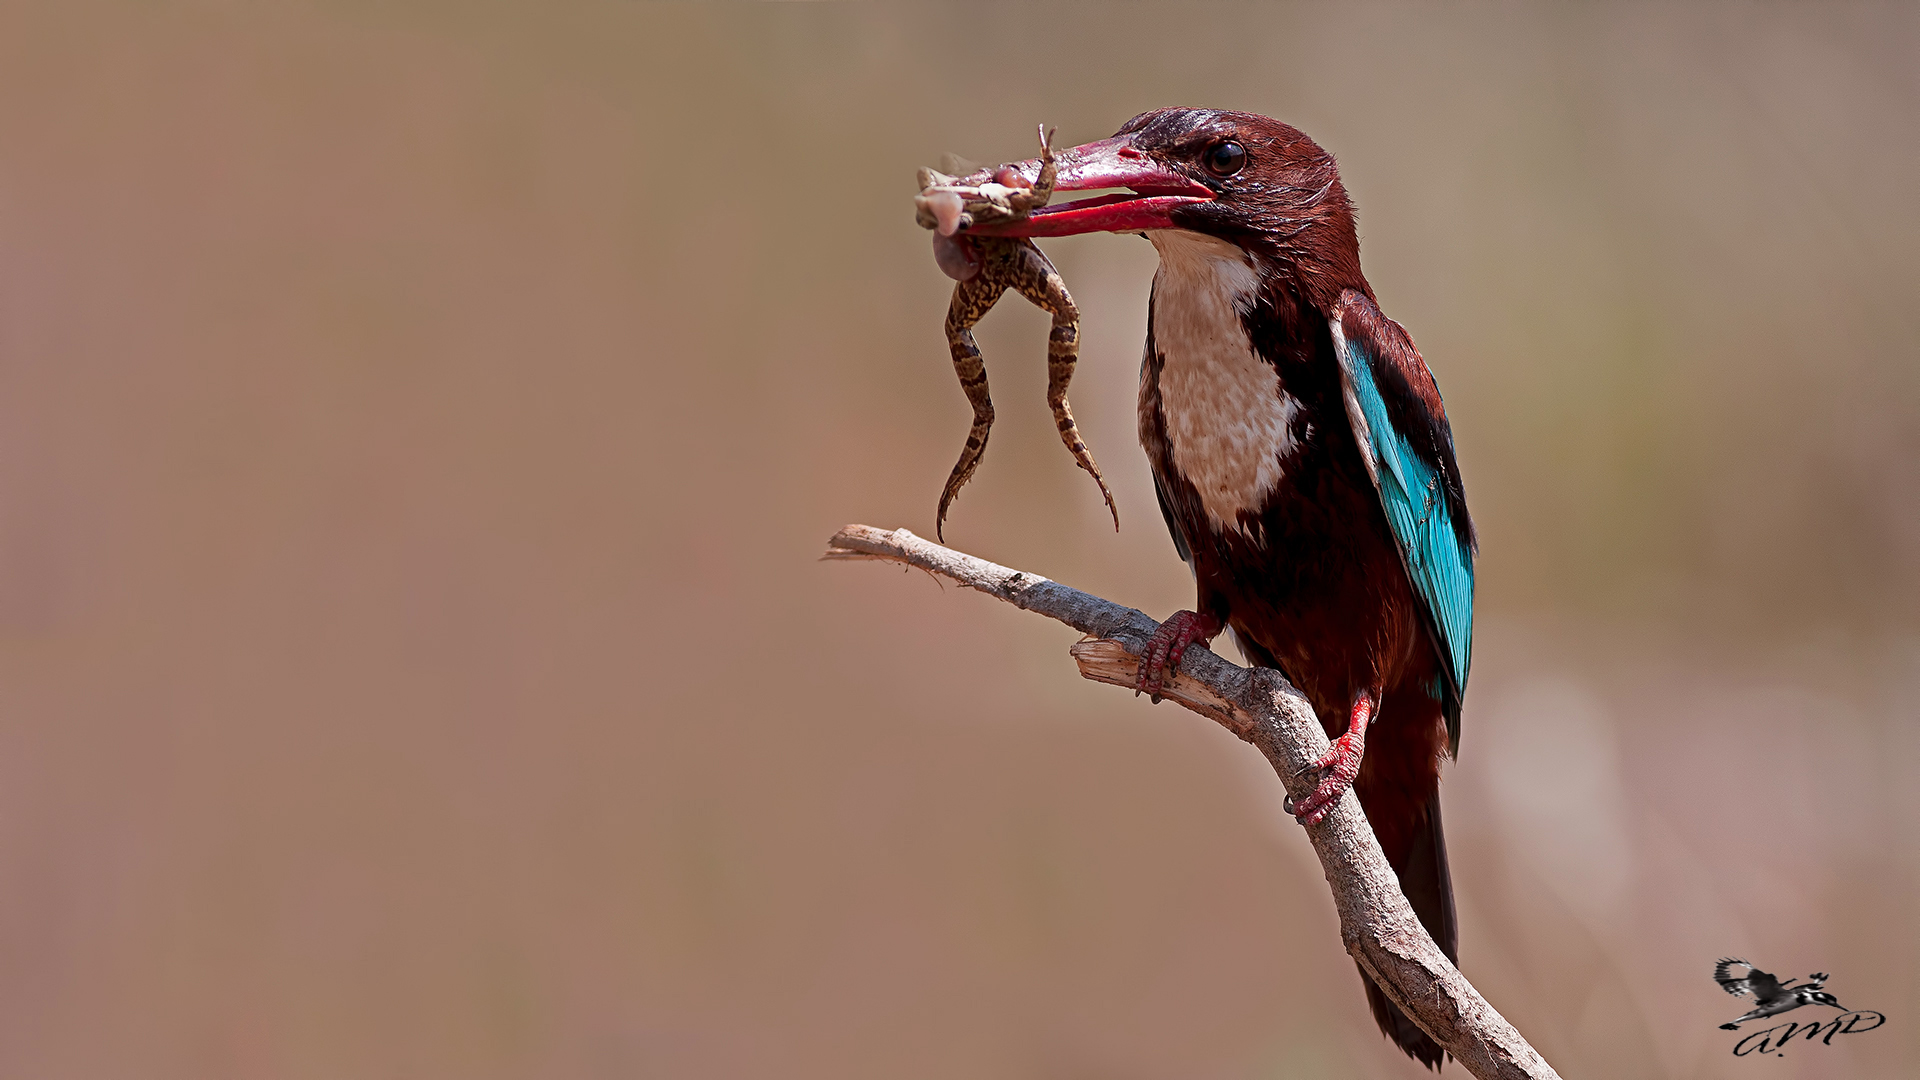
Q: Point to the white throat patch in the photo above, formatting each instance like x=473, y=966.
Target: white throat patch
x=1227, y=416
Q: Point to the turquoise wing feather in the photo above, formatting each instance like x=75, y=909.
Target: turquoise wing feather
x=1415, y=476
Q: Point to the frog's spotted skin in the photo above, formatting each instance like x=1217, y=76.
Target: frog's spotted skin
x=998, y=264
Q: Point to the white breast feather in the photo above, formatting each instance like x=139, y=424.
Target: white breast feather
x=1228, y=418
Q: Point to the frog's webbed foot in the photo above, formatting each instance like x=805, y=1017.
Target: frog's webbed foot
x=972, y=299
x=1040, y=283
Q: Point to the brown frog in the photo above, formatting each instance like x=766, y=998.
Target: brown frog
x=986, y=267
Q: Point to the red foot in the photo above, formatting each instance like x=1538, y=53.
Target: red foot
x=1161, y=658
x=1341, y=763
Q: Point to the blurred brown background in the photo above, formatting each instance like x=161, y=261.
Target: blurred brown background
x=418, y=423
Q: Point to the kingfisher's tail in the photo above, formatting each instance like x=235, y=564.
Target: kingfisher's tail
x=1423, y=874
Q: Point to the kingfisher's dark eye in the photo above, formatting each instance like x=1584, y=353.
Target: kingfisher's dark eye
x=1225, y=159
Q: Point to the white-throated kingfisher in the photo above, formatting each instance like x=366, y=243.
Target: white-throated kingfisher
x=1303, y=461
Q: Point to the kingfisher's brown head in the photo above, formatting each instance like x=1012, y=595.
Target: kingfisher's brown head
x=1243, y=178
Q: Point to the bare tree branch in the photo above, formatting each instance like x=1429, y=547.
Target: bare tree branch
x=1377, y=925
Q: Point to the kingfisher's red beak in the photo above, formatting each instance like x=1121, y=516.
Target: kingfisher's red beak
x=1155, y=192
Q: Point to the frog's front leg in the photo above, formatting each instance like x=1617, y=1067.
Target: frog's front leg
x=1036, y=279
x=972, y=299
x=1026, y=199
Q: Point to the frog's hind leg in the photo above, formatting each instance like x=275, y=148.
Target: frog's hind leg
x=971, y=301
x=1040, y=283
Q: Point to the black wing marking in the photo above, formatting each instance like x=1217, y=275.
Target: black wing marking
x=1150, y=370
x=1764, y=987
x=1731, y=983
x=1173, y=526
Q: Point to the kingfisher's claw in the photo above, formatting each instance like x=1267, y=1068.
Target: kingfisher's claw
x=1338, y=766
x=1170, y=641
